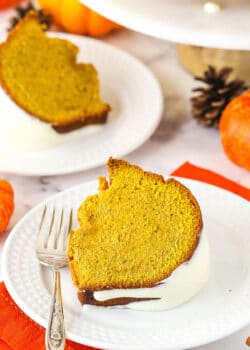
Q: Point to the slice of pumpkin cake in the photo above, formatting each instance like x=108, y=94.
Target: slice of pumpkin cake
x=139, y=242
x=42, y=76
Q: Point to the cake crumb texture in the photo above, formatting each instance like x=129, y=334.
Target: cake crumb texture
x=42, y=76
x=135, y=232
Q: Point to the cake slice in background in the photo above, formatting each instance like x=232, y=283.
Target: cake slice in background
x=139, y=242
x=42, y=76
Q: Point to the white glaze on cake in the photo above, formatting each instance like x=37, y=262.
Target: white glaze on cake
x=20, y=131
x=183, y=284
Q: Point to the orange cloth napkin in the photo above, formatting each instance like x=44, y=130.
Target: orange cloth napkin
x=193, y=172
x=19, y=332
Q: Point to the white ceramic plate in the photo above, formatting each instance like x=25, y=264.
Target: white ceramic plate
x=182, y=21
x=136, y=101
x=218, y=310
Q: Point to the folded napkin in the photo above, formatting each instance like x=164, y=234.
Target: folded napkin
x=19, y=332
x=193, y=172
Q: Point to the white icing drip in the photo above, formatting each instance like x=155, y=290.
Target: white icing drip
x=183, y=283
x=21, y=132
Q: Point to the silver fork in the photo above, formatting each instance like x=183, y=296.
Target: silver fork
x=51, y=251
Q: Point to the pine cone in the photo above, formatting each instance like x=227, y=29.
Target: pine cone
x=21, y=11
x=208, y=105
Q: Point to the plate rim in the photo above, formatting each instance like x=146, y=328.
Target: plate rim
x=146, y=26
x=138, y=142
x=80, y=339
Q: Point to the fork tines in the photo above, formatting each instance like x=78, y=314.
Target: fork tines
x=54, y=227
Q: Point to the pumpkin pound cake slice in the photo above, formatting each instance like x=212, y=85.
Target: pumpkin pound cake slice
x=42, y=76
x=139, y=242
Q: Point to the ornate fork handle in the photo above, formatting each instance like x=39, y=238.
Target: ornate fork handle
x=55, y=332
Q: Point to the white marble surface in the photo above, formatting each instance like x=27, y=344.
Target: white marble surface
x=178, y=139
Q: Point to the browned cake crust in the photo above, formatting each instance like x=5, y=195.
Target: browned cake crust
x=93, y=120
x=86, y=297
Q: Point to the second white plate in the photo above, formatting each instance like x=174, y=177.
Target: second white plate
x=220, y=309
x=136, y=101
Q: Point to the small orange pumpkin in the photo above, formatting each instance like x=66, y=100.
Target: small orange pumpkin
x=7, y=3
x=76, y=18
x=234, y=129
x=6, y=203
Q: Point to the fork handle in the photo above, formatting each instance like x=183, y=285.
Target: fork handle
x=55, y=332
